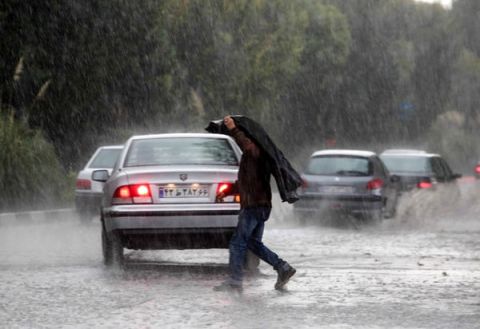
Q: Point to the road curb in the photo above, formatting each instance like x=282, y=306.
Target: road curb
x=35, y=216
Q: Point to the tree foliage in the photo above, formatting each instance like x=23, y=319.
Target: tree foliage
x=30, y=173
x=354, y=72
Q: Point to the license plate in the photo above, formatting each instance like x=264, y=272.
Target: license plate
x=336, y=189
x=183, y=191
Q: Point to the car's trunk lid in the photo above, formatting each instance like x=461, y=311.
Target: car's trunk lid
x=182, y=184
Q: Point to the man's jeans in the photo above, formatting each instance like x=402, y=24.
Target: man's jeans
x=249, y=233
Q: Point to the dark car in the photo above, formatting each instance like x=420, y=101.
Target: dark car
x=419, y=169
x=347, y=182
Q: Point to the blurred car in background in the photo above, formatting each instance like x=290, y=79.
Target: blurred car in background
x=347, y=181
x=88, y=193
x=162, y=194
x=420, y=169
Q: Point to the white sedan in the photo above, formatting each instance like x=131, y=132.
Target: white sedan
x=88, y=193
x=162, y=194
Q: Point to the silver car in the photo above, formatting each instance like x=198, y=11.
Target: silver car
x=162, y=194
x=349, y=182
x=88, y=193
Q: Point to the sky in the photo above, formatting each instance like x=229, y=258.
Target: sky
x=445, y=3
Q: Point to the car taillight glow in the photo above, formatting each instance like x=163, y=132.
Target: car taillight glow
x=375, y=184
x=142, y=190
x=137, y=193
x=224, y=188
x=83, y=184
x=123, y=192
x=424, y=184
x=477, y=169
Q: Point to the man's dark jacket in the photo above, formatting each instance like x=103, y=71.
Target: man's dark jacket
x=288, y=180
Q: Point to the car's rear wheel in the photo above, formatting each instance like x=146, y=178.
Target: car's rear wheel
x=392, y=212
x=85, y=215
x=375, y=216
x=112, y=248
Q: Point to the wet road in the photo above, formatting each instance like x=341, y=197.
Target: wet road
x=409, y=272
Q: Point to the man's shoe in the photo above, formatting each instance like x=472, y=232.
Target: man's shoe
x=228, y=287
x=285, y=272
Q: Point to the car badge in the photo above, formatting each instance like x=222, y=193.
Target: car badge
x=183, y=177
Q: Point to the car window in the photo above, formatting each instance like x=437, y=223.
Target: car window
x=339, y=165
x=106, y=158
x=380, y=168
x=180, y=151
x=406, y=164
x=437, y=168
x=446, y=168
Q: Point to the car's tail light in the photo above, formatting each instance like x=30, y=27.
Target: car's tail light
x=83, y=184
x=226, y=188
x=477, y=169
x=375, y=184
x=424, y=184
x=123, y=192
x=136, y=193
x=141, y=193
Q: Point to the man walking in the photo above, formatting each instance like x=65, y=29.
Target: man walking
x=253, y=185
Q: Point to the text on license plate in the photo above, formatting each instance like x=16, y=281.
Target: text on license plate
x=183, y=191
x=336, y=189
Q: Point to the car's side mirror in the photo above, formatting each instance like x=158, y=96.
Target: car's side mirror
x=395, y=178
x=100, y=176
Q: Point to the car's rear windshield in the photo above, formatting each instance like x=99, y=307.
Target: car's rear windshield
x=406, y=164
x=106, y=158
x=180, y=151
x=341, y=165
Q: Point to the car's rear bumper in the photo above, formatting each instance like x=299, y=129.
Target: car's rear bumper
x=193, y=238
x=351, y=204
x=173, y=226
x=171, y=217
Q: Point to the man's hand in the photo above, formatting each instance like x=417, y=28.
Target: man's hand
x=229, y=123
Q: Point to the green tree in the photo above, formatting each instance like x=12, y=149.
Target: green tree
x=30, y=173
x=466, y=14
x=466, y=74
x=104, y=62
x=310, y=106
x=236, y=56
